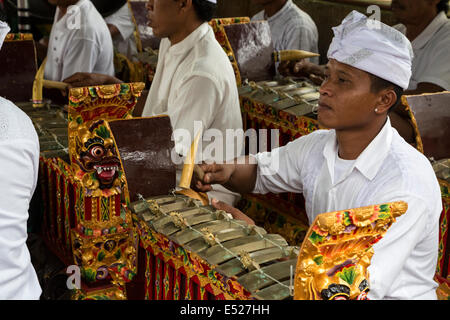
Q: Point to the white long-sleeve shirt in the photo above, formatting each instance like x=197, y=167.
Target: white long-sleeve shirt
x=431, y=48
x=80, y=41
x=125, y=42
x=19, y=166
x=292, y=29
x=389, y=169
x=195, y=82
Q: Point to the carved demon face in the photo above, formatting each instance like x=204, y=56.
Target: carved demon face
x=98, y=156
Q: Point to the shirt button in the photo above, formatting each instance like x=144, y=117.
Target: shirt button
x=54, y=49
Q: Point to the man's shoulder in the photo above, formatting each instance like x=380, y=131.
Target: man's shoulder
x=406, y=174
x=314, y=141
x=14, y=123
x=210, y=60
x=444, y=33
x=406, y=156
x=92, y=24
x=410, y=167
x=440, y=39
x=8, y=110
x=296, y=16
x=319, y=135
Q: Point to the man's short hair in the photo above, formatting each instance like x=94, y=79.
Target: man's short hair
x=205, y=10
x=443, y=6
x=379, y=84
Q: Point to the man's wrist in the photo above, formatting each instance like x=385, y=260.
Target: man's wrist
x=232, y=169
x=316, y=69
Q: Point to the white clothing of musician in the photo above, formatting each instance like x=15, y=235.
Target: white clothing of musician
x=292, y=29
x=125, y=42
x=80, y=41
x=195, y=83
x=431, y=62
x=388, y=170
x=19, y=167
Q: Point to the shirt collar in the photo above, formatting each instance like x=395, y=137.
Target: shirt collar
x=285, y=8
x=370, y=160
x=190, y=41
x=430, y=30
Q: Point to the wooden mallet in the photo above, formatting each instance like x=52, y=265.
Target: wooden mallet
x=190, y=167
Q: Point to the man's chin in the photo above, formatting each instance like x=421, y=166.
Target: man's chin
x=157, y=33
x=326, y=121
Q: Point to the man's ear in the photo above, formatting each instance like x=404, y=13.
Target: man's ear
x=186, y=4
x=386, y=100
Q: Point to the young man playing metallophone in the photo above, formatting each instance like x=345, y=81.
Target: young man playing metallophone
x=79, y=41
x=361, y=161
x=121, y=27
x=425, y=24
x=194, y=80
x=291, y=27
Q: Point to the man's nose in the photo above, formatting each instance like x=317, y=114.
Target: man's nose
x=325, y=88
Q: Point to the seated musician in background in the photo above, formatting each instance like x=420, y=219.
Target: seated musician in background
x=194, y=79
x=291, y=27
x=362, y=161
x=426, y=25
x=121, y=27
x=19, y=163
x=79, y=41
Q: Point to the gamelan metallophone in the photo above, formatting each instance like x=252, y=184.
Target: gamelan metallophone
x=287, y=105
x=51, y=126
x=196, y=252
x=193, y=251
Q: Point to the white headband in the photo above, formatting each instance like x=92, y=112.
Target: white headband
x=373, y=47
x=212, y=1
